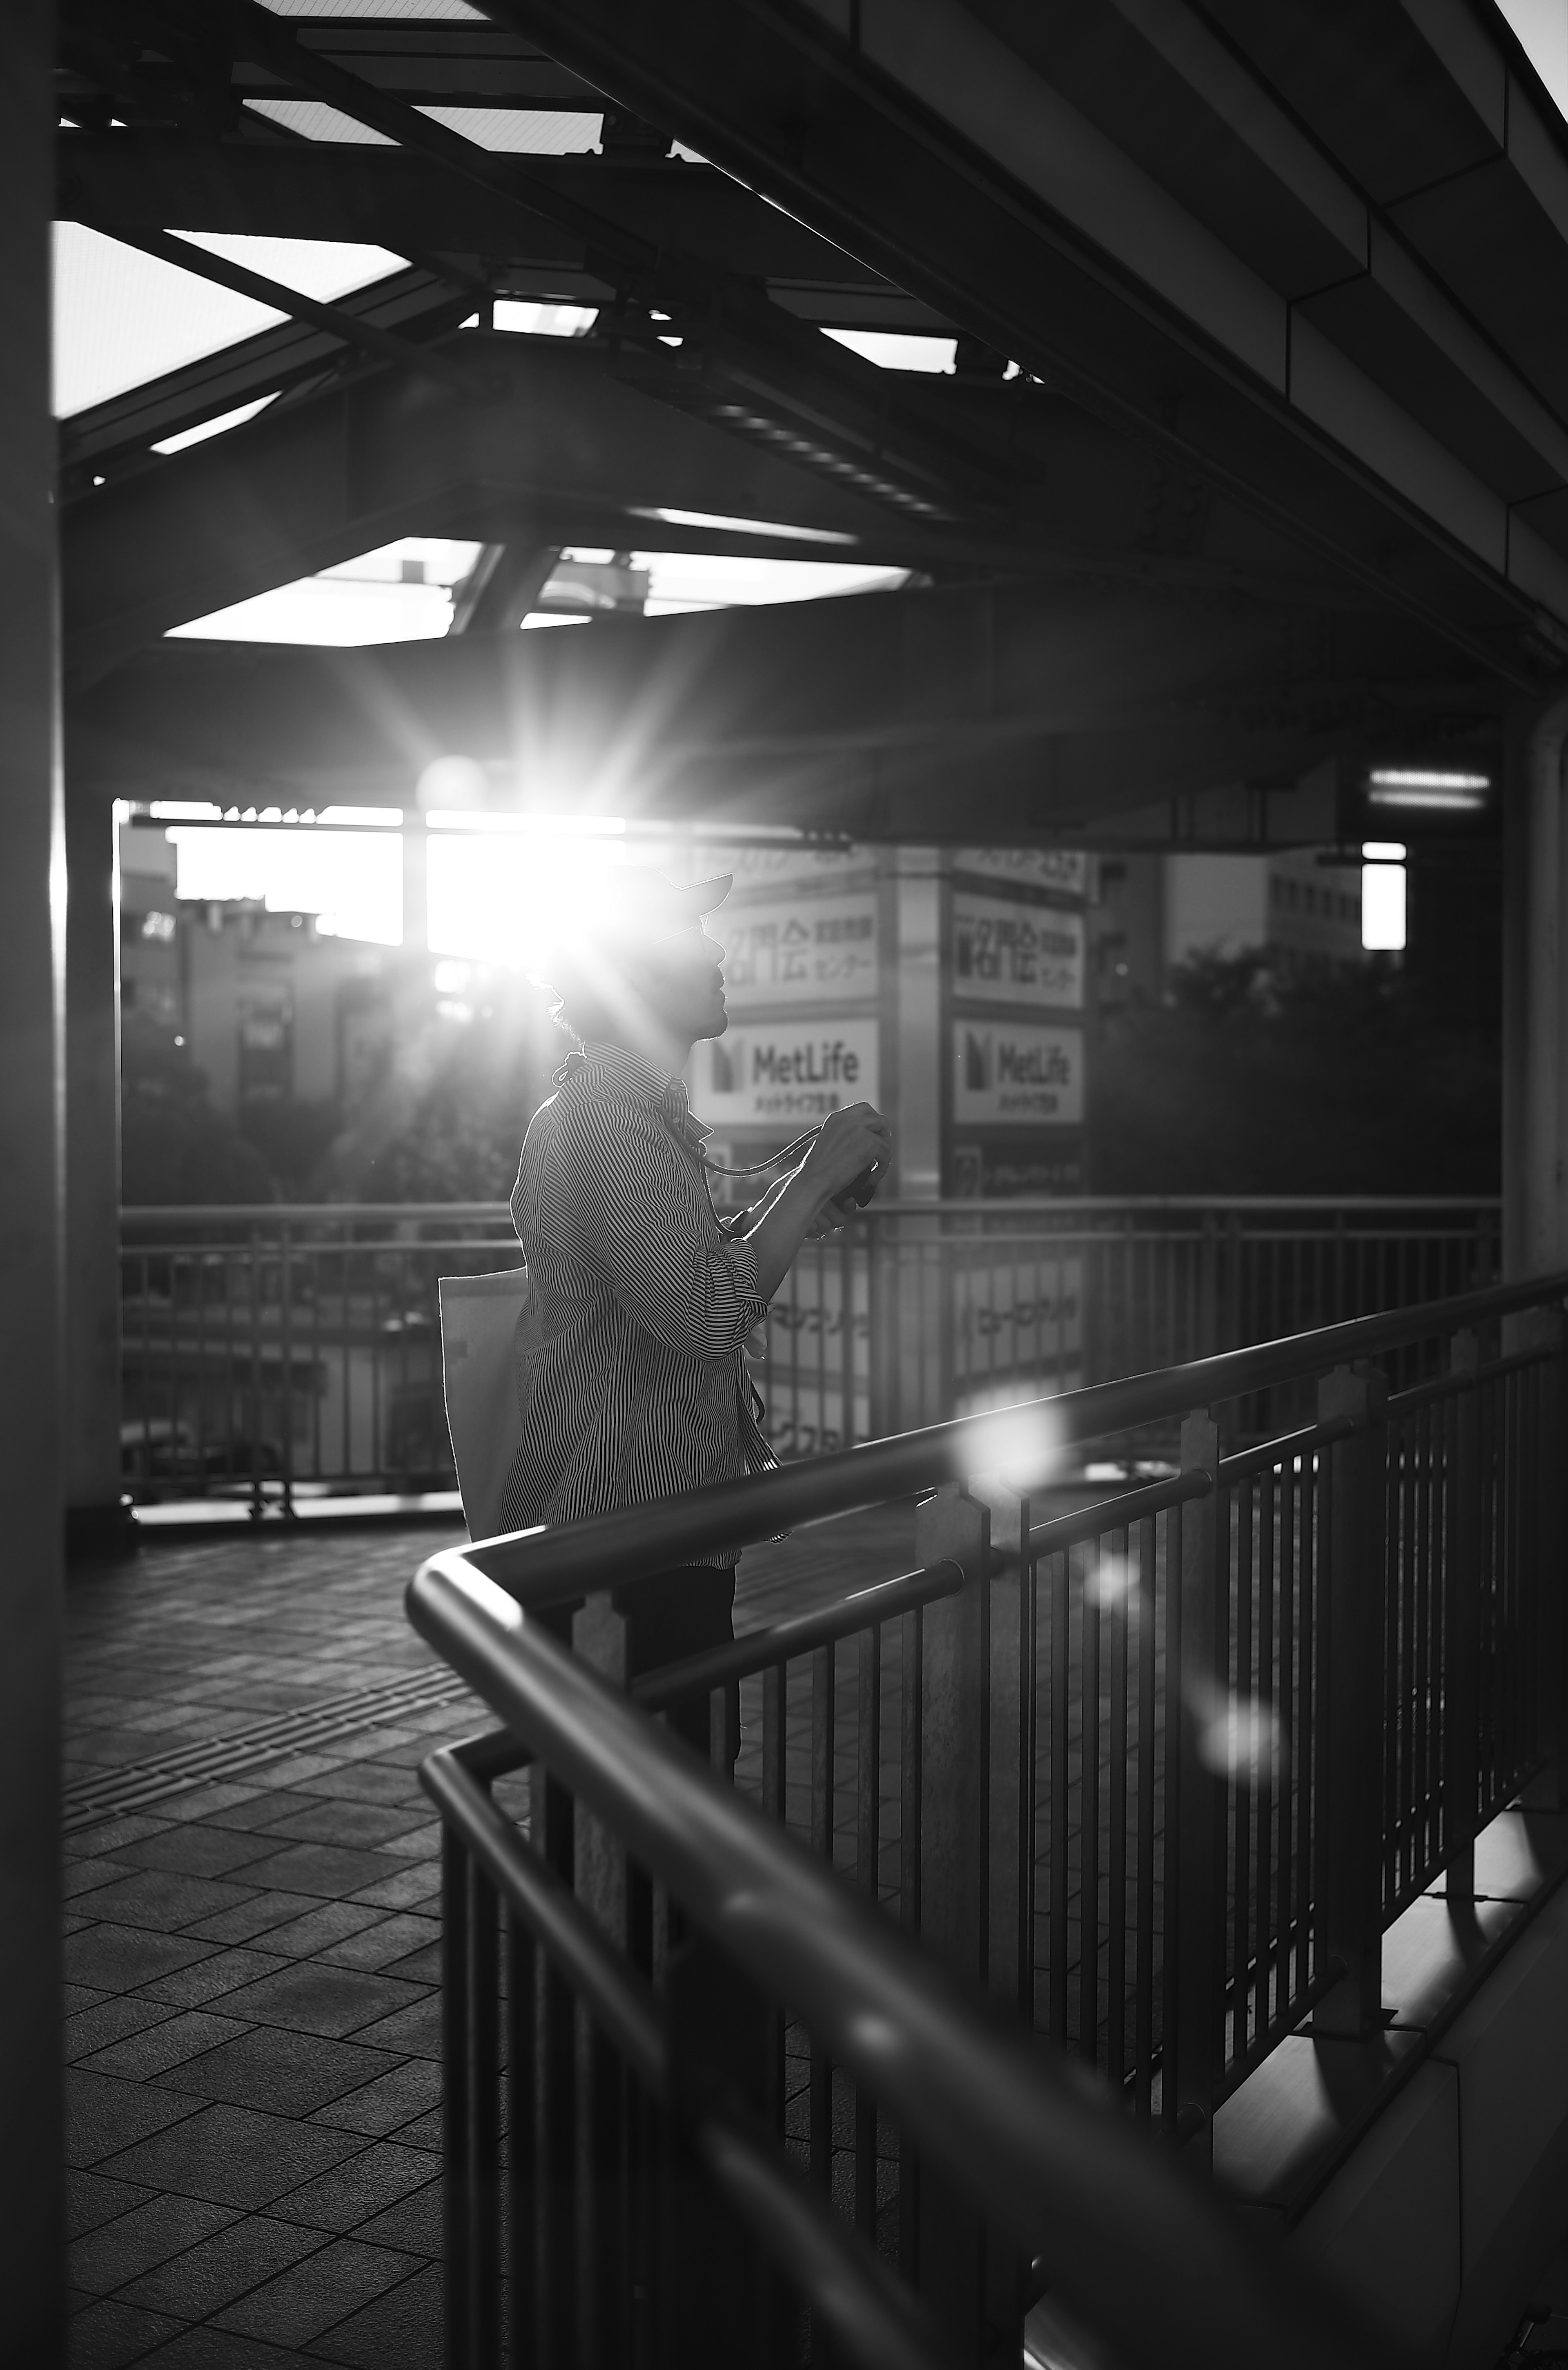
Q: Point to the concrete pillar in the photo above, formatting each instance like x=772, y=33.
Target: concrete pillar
x=94, y=1525
x=1535, y=994
x=31, y=966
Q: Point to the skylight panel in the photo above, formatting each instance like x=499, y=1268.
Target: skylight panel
x=409, y=11
x=905, y=350
x=123, y=317
x=402, y=593
x=521, y=131
x=323, y=268
x=311, y=120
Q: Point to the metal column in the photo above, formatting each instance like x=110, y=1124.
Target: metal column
x=31, y=962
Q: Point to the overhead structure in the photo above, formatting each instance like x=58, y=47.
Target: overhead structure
x=1254, y=455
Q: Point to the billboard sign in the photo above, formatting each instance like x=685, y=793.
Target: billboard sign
x=1062, y=868
x=810, y=951
x=784, y=1076
x=1011, y=953
x=1017, y=1074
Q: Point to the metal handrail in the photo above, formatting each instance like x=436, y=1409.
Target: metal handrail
x=547, y=1566
x=1140, y=2250
x=292, y=1214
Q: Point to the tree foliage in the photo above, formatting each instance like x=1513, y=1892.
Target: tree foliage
x=173, y=1146
x=1348, y=1084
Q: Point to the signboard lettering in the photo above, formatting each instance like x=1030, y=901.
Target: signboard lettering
x=1039, y=868
x=1017, y=1074
x=813, y=950
x=1016, y=954
x=757, y=1076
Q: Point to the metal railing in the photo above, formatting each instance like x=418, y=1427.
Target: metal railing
x=1155, y=1773
x=270, y=1349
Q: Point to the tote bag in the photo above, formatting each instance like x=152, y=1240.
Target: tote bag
x=490, y=1341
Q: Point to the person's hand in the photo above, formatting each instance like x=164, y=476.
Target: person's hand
x=850, y=1141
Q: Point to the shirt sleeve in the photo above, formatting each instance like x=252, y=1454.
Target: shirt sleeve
x=658, y=1247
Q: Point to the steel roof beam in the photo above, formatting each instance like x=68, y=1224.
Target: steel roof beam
x=933, y=713
x=943, y=159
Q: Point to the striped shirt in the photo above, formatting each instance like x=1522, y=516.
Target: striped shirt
x=645, y=1304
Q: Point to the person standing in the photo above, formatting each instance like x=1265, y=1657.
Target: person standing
x=646, y=1301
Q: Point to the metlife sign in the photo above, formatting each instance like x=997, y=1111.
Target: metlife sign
x=784, y=1075
x=1022, y=1074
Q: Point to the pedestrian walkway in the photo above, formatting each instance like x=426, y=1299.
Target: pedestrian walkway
x=253, y=1947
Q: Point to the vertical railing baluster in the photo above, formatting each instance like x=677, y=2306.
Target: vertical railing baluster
x=484, y=2117
x=1192, y=2047
x=1245, y=1728
x=1117, y=1612
x=1351, y=1893
x=522, y=2160
x=1549, y=1493
x=911, y=1655
x=1466, y=1583
x=1149, y=1595
x=1266, y=1959
x=1060, y=1566
x=868, y=1845
x=457, y=2048
x=821, y=1830
x=1089, y=1812
x=955, y=2276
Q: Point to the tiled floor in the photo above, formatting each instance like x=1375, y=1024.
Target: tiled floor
x=253, y=2013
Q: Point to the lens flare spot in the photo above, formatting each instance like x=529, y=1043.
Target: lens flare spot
x=1020, y=1442
x=1239, y=1736
x=1110, y=1583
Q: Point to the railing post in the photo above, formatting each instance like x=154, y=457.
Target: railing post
x=1548, y=1790
x=1461, y=1654
x=1351, y=1910
x=600, y=1882
x=954, y=1708
x=1010, y=1954
x=1198, y=1812
x=720, y=2306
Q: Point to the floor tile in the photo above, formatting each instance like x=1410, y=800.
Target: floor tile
x=409, y=1889
x=163, y=1902
x=95, y=2028
x=402, y=2330
x=322, y=1927
x=224, y=2349
x=139, y=2240
x=355, y=2193
x=331, y=2001
x=251, y=1920
x=413, y=2225
x=110, y=2334
x=91, y=2200
x=193, y=1850
x=393, y=1936
x=179, y=2038
x=122, y=1958
x=208, y=2277
x=337, y=2280
x=349, y=1823
x=213, y=1977
x=331, y=1872
x=281, y=2073
x=413, y=2031
x=233, y=2156
x=393, y=2099
x=84, y=1876
x=103, y=2117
